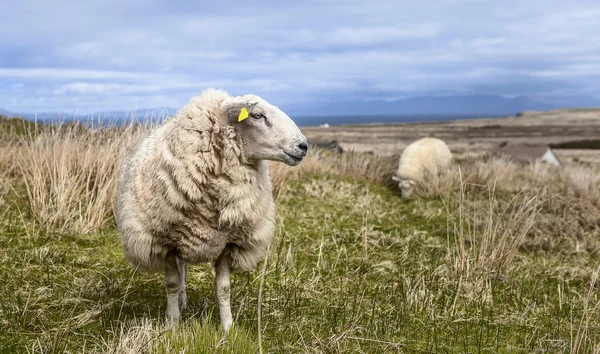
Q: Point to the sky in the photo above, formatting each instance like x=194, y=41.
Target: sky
x=105, y=55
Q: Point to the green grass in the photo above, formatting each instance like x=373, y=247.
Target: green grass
x=353, y=269
x=18, y=127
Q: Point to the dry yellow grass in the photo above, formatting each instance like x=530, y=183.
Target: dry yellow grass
x=69, y=174
x=569, y=198
x=487, y=234
x=355, y=165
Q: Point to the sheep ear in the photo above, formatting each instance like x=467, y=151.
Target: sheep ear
x=395, y=178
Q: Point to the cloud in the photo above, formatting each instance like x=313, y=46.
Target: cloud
x=66, y=74
x=381, y=34
x=115, y=54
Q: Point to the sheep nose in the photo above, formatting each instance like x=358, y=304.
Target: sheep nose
x=303, y=146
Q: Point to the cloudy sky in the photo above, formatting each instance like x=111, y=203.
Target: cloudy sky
x=89, y=55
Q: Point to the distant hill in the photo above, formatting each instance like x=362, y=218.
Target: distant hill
x=482, y=105
x=583, y=116
x=360, y=111
x=4, y=112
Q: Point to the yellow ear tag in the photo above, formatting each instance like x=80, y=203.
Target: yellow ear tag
x=243, y=115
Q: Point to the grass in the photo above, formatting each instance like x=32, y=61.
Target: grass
x=190, y=337
x=17, y=126
x=69, y=175
x=493, y=258
x=578, y=144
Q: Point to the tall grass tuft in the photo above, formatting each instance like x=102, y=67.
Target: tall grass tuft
x=355, y=165
x=197, y=336
x=488, y=232
x=69, y=172
x=582, y=339
x=4, y=191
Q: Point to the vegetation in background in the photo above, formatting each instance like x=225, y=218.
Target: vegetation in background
x=593, y=144
x=492, y=258
x=17, y=126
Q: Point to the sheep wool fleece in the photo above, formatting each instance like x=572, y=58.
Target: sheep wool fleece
x=188, y=188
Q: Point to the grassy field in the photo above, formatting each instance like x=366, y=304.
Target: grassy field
x=475, y=136
x=493, y=258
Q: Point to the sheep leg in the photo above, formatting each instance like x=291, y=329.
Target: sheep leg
x=172, y=286
x=222, y=289
x=182, y=265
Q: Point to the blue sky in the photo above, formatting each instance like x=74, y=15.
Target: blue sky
x=88, y=56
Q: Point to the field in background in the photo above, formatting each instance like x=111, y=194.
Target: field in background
x=495, y=257
x=474, y=137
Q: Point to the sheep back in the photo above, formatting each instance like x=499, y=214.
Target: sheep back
x=423, y=157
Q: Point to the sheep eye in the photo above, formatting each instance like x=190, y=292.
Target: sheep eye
x=258, y=115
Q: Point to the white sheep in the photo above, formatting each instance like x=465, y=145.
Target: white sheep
x=422, y=159
x=197, y=189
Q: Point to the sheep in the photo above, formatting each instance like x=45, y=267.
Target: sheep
x=197, y=189
x=332, y=145
x=424, y=158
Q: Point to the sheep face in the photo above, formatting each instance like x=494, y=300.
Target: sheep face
x=406, y=186
x=266, y=132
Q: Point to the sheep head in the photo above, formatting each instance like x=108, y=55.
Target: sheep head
x=266, y=132
x=406, y=186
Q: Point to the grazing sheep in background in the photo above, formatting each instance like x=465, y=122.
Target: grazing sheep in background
x=332, y=145
x=197, y=189
x=423, y=158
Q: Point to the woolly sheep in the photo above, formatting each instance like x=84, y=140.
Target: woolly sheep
x=197, y=189
x=422, y=158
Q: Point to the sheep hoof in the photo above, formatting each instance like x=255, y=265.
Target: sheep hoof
x=182, y=300
x=227, y=326
x=172, y=316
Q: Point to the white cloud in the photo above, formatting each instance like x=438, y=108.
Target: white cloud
x=67, y=74
x=381, y=34
x=587, y=70
x=87, y=88
x=64, y=53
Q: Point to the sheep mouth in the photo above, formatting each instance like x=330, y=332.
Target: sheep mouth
x=294, y=159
